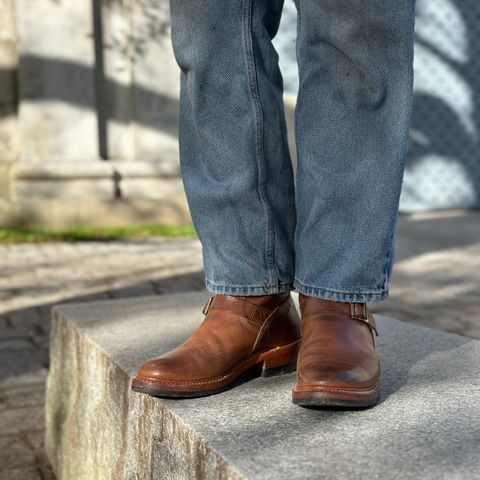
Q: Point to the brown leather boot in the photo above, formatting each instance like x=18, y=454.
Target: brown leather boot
x=337, y=363
x=236, y=336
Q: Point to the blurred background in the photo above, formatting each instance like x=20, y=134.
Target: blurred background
x=92, y=204
x=89, y=111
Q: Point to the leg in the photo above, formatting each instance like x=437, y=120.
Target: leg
x=239, y=183
x=234, y=155
x=352, y=121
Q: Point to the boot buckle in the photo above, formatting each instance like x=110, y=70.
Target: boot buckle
x=207, y=305
x=365, y=316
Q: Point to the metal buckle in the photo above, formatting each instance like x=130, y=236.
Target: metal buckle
x=206, y=307
x=366, y=318
x=353, y=313
x=372, y=323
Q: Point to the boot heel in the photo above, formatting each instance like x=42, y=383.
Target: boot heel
x=280, y=360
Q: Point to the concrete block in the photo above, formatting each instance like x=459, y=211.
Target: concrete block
x=102, y=189
x=65, y=171
x=95, y=193
x=30, y=395
x=118, y=37
x=93, y=212
x=8, y=138
x=147, y=169
x=157, y=82
x=57, y=116
x=8, y=77
x=18, y=421
x=426, y=425
x=5, y=179
x=167, y=192
x=7, y=20
x=15, y=453
x=30, y=473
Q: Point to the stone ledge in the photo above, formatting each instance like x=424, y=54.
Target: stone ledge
x=95, y=169
x=39, y=212
x=427, y=424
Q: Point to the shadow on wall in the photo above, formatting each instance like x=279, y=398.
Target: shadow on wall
x=443, y=165
x=443, y=169
x=69, y=82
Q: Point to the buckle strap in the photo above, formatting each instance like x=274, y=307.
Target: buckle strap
x=256, y=314
x=359, y=311
x=356, y=310
x=207, y=305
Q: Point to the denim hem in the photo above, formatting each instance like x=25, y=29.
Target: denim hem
x=249, y=290
x=340, y=296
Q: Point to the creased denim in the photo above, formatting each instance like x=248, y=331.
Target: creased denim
x=329, y=231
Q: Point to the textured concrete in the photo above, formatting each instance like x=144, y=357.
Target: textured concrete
x=427, y=424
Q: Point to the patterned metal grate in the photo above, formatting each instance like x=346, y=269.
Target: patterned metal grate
x=443, y=165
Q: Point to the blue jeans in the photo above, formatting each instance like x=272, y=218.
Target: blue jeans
x=329, y=230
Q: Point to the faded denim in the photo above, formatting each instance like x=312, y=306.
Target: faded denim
x=329, y=231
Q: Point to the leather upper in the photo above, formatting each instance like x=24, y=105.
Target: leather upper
x=233, y=328
x=338, y=345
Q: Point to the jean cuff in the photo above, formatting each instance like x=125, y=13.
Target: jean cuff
x=365, y=296
x=249, y=290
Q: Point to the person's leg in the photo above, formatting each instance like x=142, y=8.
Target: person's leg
x=238, y=178
x=234, y=156
x=352, y=123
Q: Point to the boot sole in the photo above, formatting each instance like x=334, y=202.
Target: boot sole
x=277, y=361
x=331, y=397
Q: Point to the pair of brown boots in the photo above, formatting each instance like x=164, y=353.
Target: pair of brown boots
x=332, y=348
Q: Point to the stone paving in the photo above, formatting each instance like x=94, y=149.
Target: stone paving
x=436, y=283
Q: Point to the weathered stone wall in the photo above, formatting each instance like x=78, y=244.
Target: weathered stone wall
x=97, y=113
x=8, y=95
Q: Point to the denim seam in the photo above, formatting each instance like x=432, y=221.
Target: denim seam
x=337, y=296
x=299, y=25
x=247, y=285
x=280, y=287
x=272, y=270
x=388, y=256
x=347, y=292
x=392, y=233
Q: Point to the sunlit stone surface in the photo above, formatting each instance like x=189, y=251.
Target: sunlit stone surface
x=425, y=426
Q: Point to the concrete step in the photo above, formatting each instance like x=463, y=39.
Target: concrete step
x=427, y=424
